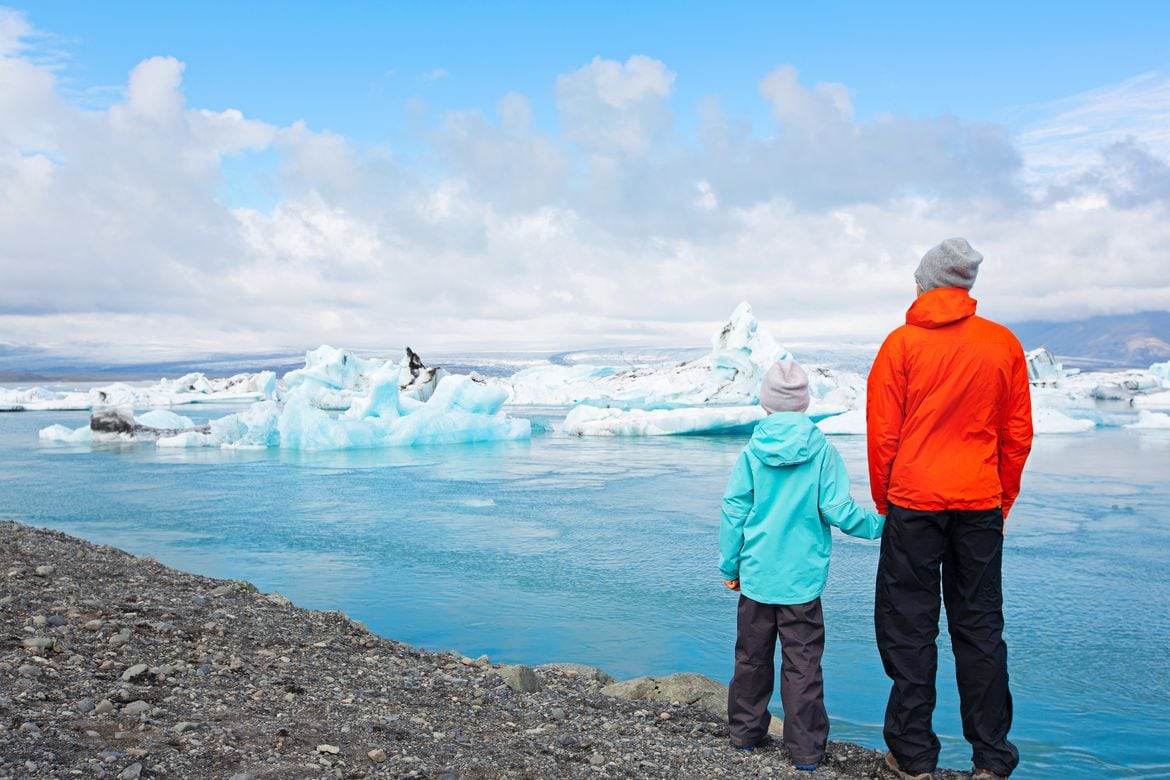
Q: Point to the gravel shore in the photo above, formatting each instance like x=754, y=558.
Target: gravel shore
x=113, y=666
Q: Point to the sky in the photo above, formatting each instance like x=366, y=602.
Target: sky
x=183, y=179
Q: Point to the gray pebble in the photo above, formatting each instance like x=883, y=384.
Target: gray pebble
x=104, y=707
x=137, y=707
x=137, y=670
x=28, y=670
x=132, y=772
x=86, y=706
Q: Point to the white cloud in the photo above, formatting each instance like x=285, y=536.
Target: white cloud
x=1065, y=136
x=614, y=108
x=613, y=229
x=437, y=74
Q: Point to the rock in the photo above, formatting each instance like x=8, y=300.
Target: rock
x=596, y=759
x=132, y=772
x=634, y=690
x=93, y=625
x=85, y=706
x=685, y=688
x=29, y=670
x=278, y=599
x=184, y=726
x=137, y=670
x=136, y=707
x=28, y=727
x=557, y=713
x=519, y=678
x=377, y=755
x=591, y=673
x=104, y=707
x=46, y=570
x=330, y=749
x=222, y=590
x=38, y=643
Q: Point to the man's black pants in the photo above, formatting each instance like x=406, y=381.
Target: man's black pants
x=801, y=629
x=968, y=546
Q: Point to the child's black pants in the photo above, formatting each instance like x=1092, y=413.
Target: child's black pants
x=801, y=629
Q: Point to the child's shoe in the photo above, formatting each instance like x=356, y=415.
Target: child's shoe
x=763, y=742
x=806, y=767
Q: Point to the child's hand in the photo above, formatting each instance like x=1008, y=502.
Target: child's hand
x=732, y=585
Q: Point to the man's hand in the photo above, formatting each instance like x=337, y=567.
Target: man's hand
x=732, y=585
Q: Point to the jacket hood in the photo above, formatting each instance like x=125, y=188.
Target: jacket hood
x=939, y=307
x=786, y=439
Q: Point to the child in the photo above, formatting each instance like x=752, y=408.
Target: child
x=788, y=486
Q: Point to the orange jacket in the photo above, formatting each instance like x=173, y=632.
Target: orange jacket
x=948, y=412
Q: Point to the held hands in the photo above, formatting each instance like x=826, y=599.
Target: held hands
x=732, y=585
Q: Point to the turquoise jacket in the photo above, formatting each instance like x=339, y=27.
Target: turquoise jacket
x=788, y=486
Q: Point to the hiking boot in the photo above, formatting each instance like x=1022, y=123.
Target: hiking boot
x=986, y=774
x=901, y=774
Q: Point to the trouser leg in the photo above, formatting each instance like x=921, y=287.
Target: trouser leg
x=802, y=686
x=906, y=612
x=973, y=593
x=755, y=672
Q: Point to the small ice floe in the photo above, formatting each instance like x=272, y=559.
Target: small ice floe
x=1148, y=420
x=850, y=423
x=1050, y=421
x=593, y=421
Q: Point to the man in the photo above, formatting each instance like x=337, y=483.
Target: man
x=949, y=420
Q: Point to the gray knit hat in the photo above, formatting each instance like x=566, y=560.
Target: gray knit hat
x=953, y=263
x=785, y=388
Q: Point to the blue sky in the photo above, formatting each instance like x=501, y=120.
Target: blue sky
x=512, y=175
x=352, y=67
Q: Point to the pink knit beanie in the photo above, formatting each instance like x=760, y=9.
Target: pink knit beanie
x=785, y=388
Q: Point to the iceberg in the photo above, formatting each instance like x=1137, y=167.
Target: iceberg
x=1153, y=400
x=463, y=408
x=1043, y=369
x=595, y=421
x=332, y=378
x=116, y=424
x=1151, y=421
x=730, y=375
x=1162, y=371
x=188, y=389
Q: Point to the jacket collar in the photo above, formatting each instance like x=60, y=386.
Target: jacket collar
x=940, y=306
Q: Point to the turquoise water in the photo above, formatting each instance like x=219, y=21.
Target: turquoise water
x=603, y=551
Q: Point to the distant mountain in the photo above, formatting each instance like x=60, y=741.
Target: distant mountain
x=1110, y=341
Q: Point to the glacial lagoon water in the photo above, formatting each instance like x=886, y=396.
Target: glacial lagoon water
x=603, y=551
